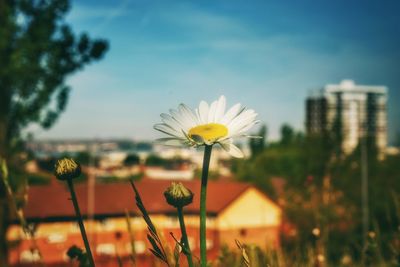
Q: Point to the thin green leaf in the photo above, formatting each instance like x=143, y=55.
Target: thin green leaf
x=154, y=243
x=155, y=253
x=139, y=204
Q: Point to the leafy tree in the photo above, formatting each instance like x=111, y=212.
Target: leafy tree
x=287, y=134
x=144, y=146
x=46, y=164
x=154, y=160
x=126, y=144
x=323, y=189
x=171, y=164
x=132, y=159
x=84, y=158
x=38, y=51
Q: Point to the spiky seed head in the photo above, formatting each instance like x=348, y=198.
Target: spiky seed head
x=67, y=168
x=178, y=195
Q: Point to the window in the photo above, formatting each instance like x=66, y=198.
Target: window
x=192, y=242
x=140, y=247
x=31, y=255
x=107, y=225
x=106, y=249
x=56, y=238
x=209, y=243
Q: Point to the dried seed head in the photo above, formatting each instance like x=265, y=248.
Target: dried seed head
x=67, y=169
x=178, y=195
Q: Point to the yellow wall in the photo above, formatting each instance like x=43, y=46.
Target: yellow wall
x=251, y=209
x=43, y=230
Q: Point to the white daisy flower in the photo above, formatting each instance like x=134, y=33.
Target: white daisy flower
x=207, y=125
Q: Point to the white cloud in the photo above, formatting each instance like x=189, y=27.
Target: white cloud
x=200, y=21
x=102, y=14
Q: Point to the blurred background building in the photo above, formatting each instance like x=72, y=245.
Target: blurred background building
x=356, y=110
x=235, y=211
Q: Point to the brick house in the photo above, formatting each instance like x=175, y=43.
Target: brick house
x=235, y=211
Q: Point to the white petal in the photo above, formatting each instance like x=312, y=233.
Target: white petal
x=253, y=136
x=170, y=121
x=167, y=130
x=245, y=118
x=211, y=112
x=247, y=127
x=187, y=114
x=182, y=119
x=170, y=141
x=241, y=129
x=203, y=112
x=219, y=112
x=233, y=150
x=165, y=116
x=198, y=116
x=230, y=114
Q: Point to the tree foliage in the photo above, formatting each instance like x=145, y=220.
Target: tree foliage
x=322, y=188
x=131, y=160
x=171, y=164
x=38, y=51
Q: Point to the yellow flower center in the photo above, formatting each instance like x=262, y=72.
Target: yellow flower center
x=209, y=132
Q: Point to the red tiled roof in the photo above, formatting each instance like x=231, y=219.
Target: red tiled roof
x=51, y=202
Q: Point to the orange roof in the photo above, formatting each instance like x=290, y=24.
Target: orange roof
x=51, y=202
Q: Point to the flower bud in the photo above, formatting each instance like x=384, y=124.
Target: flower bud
x=178, y=195
x=75, y=252
x=67, y=169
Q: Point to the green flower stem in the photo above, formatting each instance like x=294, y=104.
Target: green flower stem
x=185, y=240
x=80, y=222
x=203, y=209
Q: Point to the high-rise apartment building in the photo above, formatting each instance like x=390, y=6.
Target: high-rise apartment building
x=358, y=109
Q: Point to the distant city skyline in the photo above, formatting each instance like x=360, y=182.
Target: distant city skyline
x=265, y=55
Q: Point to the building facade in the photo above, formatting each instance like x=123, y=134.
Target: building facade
x=357, y=110
x=235, y=211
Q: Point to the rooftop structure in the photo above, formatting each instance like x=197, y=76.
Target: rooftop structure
x=358, y=110
x=235, y=211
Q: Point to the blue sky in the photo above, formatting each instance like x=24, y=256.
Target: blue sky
x=265, y=54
